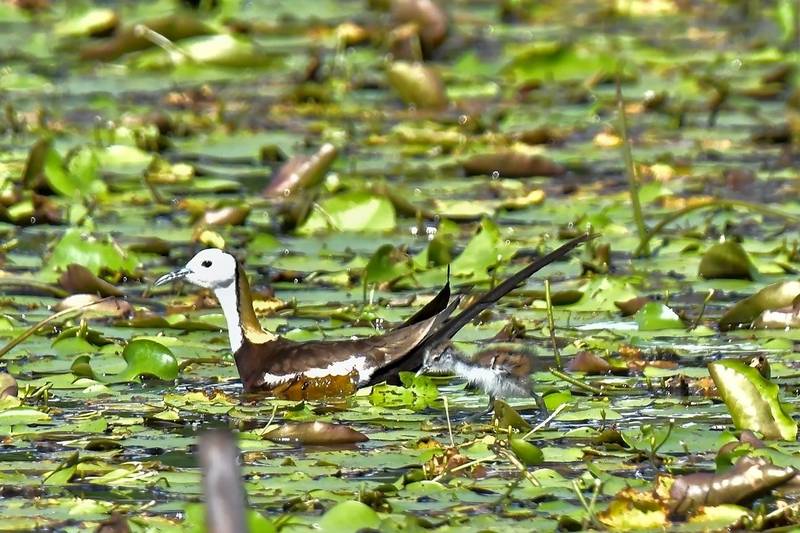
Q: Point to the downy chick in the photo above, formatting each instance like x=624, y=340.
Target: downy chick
x=499, y=373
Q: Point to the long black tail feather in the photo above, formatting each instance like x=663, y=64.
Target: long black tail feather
x=454, y=324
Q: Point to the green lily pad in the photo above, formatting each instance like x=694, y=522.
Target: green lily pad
x=348, y=517
x=752, y=400
x=351, y=211
x=94, y=253
x=654, y=316
x=148, y=358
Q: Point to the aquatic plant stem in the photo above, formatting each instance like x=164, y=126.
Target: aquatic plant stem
x=573, y=381
x=546, y=421
x=449, y=425
x=630, y=170
x=34, y=328
x=644, y=248
x=551, y=324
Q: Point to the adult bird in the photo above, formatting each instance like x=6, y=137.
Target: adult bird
x=265, y=360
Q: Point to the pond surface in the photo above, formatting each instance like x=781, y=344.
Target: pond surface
x=128, y=157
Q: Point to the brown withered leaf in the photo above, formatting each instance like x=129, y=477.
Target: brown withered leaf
x=430, y=20
x=232, y=215
x=511, y=164
x=589, y=363
x=315, y=433
x=749, y=478
x=301, y=172
x=8, y=385
x=78, y=279
x=305, y=388
x=630, y=307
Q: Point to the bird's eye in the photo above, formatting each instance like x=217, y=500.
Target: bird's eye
x=206, y=263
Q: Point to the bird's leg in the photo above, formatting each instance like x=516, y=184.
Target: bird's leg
x=543, y=412
x=489, y=409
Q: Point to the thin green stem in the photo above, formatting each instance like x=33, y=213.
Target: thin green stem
x=34, y=328
x=644, y=248
x=574, y=381
x=551, y=323
x=630, y=170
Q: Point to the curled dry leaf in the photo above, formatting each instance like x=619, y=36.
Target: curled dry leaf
x=232, y=215
x=772, y=297
x=8, y=385
x=749, y=478
x=430, y=20
x=632, y=306
x=417, y=84
x=301, y=172
x=727, y=260
x=589, y=363
x=112, y=307
x=77, y=279
x=512, y=164
x=316, y=433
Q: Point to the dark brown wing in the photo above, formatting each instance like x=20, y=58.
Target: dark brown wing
x=284, y=357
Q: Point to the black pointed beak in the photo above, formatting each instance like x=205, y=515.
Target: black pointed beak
x=172, y=276
x=421, y=371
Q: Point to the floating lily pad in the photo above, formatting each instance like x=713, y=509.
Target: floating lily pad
x=654, y=316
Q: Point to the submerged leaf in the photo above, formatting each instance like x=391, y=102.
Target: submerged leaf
x=752, y=400
x=727, y=260
x=771, y=297
x=316, y=433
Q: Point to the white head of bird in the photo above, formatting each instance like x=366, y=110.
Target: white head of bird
x=217, y=270
x=210, y=268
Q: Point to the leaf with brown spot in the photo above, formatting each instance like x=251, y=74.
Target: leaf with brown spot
x=315, y=433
